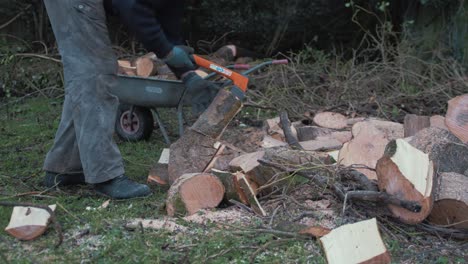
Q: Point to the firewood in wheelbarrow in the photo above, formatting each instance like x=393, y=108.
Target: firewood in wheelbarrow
x=414, y=123
x=126, y=68
x=447, y=152
x=193, y=192
x=457, y=117
x=355, y=243
x=330, y=120
x=366, y=148
x=28, y=223
x=145, y=67
x=407, y=173
x=451, y=201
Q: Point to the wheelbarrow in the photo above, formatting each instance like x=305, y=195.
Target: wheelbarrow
x=140, y=98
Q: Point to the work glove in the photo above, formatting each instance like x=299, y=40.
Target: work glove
x=179, y=60
x=201, y=91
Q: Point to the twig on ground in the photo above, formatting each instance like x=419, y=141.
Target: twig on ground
x=286, y=126
x=445, y=232
x=53, y=218
x=242, y=206
x=265, y=247
x=4, y=25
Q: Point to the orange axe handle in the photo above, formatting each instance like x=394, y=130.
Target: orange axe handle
x=238, y=79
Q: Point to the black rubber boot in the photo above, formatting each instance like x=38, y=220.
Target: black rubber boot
x=122, y=188
x=52, y=179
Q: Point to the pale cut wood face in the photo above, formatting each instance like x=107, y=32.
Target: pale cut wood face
x=27, y=223
x=355, y=243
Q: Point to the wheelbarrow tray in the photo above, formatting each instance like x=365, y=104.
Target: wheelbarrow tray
x=148, y=92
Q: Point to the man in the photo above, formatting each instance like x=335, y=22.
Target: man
x=84, y=150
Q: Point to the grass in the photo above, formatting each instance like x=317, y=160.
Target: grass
x=26, y=134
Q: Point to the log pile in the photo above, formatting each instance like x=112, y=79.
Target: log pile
x=149, y=65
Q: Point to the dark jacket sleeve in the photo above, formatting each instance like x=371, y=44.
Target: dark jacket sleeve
x=139, y=16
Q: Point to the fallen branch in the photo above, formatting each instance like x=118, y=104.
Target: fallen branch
x=446, y=232
x=382, y=197
x=57, y=226
x=373, y=196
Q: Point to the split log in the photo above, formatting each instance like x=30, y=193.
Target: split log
x=272, y=128
x=192, y=192
x=438, y=121
x=28, y=223
x=414, y=123
x=330, y=120
x=451, y=201
x=219, y=114
x=407, y=173
x=270, y=142
x=366, y=148
x=457, y=117
x=250, y=194
x=145, y=67
x=447, y=152
x=391, y=130
x=159, y=172
x=126, y=68
x=321, y=144
x=192, y=153
x=231, y=186
x=355, y=243
x=307, y=133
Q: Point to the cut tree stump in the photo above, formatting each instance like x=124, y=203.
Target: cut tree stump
x=366, y=148
x=192, y=192
x=414, y=123
x=451, y=201
x=355, y=243
x=447, y=152
x=331, y=120
x=408, y=174
x=28, y=223
x=145, y=67
x=159, y=172
x=457, y=117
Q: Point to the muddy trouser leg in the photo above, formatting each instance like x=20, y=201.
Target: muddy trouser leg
x=84, y=139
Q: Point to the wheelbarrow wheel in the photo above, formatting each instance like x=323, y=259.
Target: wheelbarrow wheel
x=135, y=128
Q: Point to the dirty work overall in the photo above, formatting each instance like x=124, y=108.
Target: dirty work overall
x=84, y=142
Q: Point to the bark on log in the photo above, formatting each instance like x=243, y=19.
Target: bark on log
x=291, y=139
x=219, y=114
x=457, y=117
x=251, y=195
x=447, y=152
x=232, y=187
x=414, y=123
x=191, y=154
x=407, y=173
x=192, y=192
x=451, y=201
